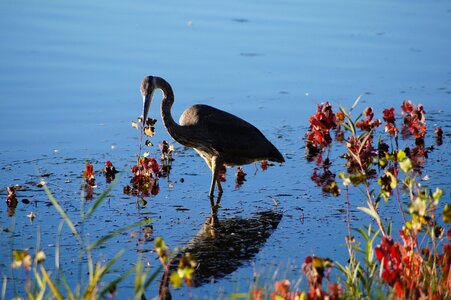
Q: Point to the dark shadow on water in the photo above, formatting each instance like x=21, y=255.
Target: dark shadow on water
x=223, y=246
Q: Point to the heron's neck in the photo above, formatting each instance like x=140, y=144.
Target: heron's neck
x=172, y=127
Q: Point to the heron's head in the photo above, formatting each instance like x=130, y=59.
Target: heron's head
x=147, y=89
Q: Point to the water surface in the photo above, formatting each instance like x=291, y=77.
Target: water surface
x=69, y=87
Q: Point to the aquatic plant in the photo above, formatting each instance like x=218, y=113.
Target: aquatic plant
x=40, y=283
x=415, y=264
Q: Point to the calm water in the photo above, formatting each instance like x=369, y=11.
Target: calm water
x=69, y=87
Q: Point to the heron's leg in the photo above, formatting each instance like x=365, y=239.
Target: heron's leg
x=214, y=175
x=216, y=165
x=218, y=183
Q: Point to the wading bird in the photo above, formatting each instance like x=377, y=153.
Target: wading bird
x=220, y=138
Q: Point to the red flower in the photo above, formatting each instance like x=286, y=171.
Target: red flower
x=368, y=123
x=321, y=123
x=389, y=115
x=109, y=171
x=154, y=165
x=340, y=117
x=389, y=253
x=88, y=174
x=406, y=107
x=391, y=129
x=414, y=120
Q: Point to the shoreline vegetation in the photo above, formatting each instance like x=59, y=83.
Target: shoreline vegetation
x=381, y=158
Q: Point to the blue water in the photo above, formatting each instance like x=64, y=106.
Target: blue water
x=69, y=87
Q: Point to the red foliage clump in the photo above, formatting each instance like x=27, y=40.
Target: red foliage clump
x=389, y=118
x=368, y=124
x=414, y=119
x=438, y=136
x=405, y=269
x=264, y=165
x=318, y=136
x=240, y=177
x=88, y=174
x=145, y=178
x=362, y=148
x=222, y=174
x=109, y=171
x=11, y=200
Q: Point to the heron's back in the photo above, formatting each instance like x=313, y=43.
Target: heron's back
x=216, y=132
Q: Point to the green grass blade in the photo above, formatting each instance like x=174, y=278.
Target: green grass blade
x=355, y=103
x=153, y=277
x=5, y=281
x=112, y=234
x=369, y=211
x=62, y=213
x=102, y=197
x=113, y=284
x=363, y=143
x=70, y=295
x=52, y=286
x=98, y=275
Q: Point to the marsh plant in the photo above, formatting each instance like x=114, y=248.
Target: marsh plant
x=42, y=282
x=412, y=262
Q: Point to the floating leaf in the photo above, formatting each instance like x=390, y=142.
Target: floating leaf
x=135, y=125
x=146, y=154
x=149, y=131
x=31, y=216
x=143, y=203
x=334, y=189
x=151, y=122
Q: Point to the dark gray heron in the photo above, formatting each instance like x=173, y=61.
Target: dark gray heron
x=220, y=138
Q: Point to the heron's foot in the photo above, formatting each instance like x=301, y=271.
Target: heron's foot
x=214, y=209
x=215, y=205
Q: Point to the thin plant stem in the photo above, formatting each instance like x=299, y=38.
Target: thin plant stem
x=398, y=199
x=348, y=212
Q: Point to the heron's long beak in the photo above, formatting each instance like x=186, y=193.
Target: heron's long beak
x=147, y=100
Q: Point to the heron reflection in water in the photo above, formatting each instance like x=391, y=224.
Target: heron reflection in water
x=223, y=246
x=220, y=138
